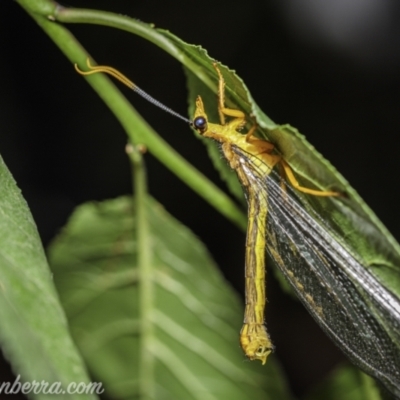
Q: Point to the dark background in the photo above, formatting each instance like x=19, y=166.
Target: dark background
x=329, y=68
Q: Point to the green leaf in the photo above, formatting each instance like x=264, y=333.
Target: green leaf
x=33, y=330
x=351, y=283
x=196, y=317
x=346, y=383
x=353, y=223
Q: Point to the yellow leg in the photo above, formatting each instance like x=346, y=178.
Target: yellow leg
x=250, y=134
x=296, y=185
x=222, y=110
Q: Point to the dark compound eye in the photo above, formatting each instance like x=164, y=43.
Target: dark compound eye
x=200, y=124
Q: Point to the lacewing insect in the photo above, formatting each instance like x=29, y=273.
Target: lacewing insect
x=352, y=305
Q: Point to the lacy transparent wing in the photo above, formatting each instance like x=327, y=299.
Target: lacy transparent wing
x=350, y=304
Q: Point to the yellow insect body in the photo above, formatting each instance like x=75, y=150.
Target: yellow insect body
x=237, y=149
x=254, y=337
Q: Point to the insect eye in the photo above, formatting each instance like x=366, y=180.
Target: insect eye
x=200, y=124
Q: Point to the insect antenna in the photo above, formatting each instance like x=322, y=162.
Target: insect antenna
x=94, y=69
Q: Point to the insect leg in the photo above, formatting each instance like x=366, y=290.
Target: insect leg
x=296, y=185
x=222, y=110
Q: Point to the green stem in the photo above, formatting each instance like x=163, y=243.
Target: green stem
x=146, y=31
x=145, y=267
x=44, y=12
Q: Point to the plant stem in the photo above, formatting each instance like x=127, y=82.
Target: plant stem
x=146, y=273
x=44, y=12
